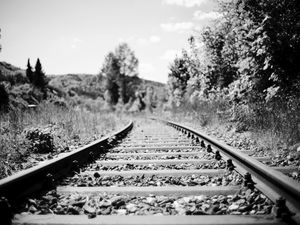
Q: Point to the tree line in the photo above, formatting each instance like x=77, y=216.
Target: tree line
x=248, y=60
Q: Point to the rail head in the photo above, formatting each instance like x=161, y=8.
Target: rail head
x=37, y=178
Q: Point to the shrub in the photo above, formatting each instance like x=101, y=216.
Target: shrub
x=41, y=140
x=4, y=99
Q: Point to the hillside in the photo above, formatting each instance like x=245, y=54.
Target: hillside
x=76, y=89
x=7, y=68
x=11, y=73
x=89, y=85
x=84, y=85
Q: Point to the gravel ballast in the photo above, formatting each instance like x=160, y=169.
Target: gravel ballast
x=221, y=164
x=95, y=179
x=246, y=202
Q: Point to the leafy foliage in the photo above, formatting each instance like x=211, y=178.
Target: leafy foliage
x=121, y=70
x=178, y=78
x=127, y=60
x=248, y=58
x=40, y=139
x=111, y=69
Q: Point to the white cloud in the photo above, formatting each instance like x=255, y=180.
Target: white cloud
x=75, y=42
x=154, y=39
x=177, y=27
x=170, y=54
x=200, y=15
x=185, y=3
x=141, y=40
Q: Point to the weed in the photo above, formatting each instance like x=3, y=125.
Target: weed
x=49, y=129
x=272, y=125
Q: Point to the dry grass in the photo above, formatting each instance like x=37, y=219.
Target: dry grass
x=272, y=130
x=68, y=127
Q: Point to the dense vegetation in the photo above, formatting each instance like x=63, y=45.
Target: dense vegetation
x=244, y=66
x=33, y=135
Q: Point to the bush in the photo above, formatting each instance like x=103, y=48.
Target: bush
x=59, y=102
x=16, y=77
x=4, y=99
x=41, y=140
x=28, y=93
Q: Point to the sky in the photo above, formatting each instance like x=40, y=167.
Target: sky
x=74, y=36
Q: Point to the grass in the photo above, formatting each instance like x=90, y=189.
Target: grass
x=68, y=127
x=273, y=128
x=73, y=127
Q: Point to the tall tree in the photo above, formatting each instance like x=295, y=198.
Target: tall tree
x=177, y=80
x=110, y=70
x=29, y=72
x=149, y=99
x=4, y=97
x=117, y=67
x=40, y=79
x=128, y=68
x=127, y=59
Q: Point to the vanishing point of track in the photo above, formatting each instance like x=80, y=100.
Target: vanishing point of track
x=152, y=172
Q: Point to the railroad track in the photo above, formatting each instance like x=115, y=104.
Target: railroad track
x=155, y=172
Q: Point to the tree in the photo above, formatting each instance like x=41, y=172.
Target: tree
x=128, y=65
x=266, y=40
x=221, y=53
x=149, y=99
x=279, y=34
x=118, y=67
x=127, y=59
x=29, y=72
x=177, y=80
x=110, y=70
x=4, y=97
x=39, y=79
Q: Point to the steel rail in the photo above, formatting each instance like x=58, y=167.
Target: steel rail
x=40, y=177
x=275, y=181
x=145, y=220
